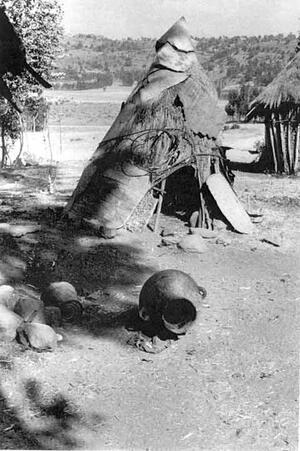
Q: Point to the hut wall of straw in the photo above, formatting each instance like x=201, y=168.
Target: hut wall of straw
x=282, y=141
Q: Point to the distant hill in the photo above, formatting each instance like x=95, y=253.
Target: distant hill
x=90, y=61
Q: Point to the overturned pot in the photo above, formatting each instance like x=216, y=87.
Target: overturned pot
x=64, y=296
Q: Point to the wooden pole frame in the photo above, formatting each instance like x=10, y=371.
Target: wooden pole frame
x=296, y=150
x=278, y=143
x=159, y=204
x=273, y=146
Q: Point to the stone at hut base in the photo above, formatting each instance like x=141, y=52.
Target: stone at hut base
x=193, y=244
x=219, y=225
x=204, y=233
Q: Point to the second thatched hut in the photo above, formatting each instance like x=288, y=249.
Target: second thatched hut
x=279, y=104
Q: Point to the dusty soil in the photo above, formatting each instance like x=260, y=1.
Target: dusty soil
x=230, y=384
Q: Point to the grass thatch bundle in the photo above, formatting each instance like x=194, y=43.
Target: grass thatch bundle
x=282, y=93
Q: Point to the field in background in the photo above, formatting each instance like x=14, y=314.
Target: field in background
x=68, y=143
x=112, y=94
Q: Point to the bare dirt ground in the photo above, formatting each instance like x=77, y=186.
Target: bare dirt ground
x=230, y=384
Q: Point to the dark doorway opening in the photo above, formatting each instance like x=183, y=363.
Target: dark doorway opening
x=181, y=196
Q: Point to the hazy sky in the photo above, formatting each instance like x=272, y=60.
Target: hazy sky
x=151, y=18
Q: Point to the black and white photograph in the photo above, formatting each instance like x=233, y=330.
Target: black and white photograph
x=149, y=225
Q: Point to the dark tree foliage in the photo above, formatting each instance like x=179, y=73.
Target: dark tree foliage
x=229, y=109
x=127, y=78
x=239, y=101
x=298, y=44
x=38, y=24
x=237, y=60
x=36, y=113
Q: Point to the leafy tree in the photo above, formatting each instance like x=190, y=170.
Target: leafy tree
x=233, y=96
x=105, y=79
x=243, y=100
x=238, y=102
x=229, y=110
x=10, y=125
x=126, y=78
x=38, y=23
x=298, y=44
x=36, y=113
x=128, y=62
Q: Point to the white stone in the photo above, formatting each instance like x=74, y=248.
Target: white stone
x=193, y=243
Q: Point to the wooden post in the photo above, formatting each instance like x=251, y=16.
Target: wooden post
x=267, y=159
x=296, y=150
x=294, y=143
x=273, y=146
x=285, y=142
x=159, y=205
x=201, y=217
x=278, y=141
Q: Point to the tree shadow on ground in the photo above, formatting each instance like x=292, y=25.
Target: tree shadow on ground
x=30, y=176
x=114, y=269
x=21, y=184
x=25, y=193
x=47, y=425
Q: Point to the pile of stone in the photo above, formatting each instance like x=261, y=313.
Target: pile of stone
x=30, y=318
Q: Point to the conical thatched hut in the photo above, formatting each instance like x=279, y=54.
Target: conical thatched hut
x=279, y=103
x=170, y=121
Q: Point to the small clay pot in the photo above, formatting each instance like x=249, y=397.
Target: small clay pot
x=64, y=296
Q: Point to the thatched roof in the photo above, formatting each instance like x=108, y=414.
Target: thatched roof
x=283, y=93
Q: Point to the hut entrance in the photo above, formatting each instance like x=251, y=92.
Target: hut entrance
x=181, y=196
